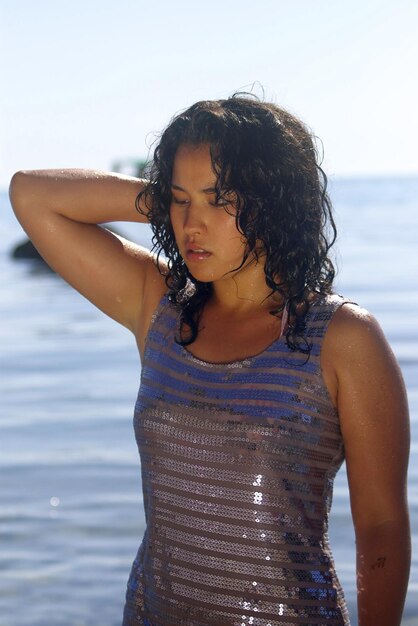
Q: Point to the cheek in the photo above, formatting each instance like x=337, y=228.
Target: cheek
x=236, y=238
x=227, y=224
x=173, y=221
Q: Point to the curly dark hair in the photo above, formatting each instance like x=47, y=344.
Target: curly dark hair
x=268, y=159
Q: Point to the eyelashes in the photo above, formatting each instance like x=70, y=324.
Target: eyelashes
x=177, y=201
x=222, y=202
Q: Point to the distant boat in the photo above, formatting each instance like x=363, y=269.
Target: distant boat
x=130, y=167
x=26, y=250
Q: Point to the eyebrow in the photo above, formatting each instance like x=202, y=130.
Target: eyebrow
x=205, y=190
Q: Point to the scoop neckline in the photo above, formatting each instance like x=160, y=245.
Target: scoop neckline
x=247, y=361
x=231, y=364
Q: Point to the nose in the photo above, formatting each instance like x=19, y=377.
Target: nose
x=193, y=219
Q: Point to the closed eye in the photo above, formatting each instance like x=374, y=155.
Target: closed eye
x=220, y=202
x=178, y=201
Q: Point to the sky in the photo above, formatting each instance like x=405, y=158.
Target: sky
x=88, y=83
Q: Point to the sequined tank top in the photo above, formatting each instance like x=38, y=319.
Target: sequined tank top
x=238, y=462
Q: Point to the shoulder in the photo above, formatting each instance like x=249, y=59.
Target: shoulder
x=360, y=363
x=354, y=332
x=355, y=353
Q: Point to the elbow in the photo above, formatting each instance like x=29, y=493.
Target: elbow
x=18, y=191
x=24, y=194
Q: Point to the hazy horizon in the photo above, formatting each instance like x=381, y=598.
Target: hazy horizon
x=89, y=84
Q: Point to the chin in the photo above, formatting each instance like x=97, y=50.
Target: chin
x=203, y=277
x=211, y=275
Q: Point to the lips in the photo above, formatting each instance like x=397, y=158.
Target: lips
x=196, y=253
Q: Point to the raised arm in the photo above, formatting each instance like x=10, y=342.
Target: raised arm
x=373, y=411
x=60, y=210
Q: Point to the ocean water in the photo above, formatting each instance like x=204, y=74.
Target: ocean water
x=71, y=516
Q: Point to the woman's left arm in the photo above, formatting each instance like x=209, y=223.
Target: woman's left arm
x=372, y=404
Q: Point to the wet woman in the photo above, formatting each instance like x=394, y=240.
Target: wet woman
x=257, y=380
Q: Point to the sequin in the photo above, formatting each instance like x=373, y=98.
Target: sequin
x=237, y=462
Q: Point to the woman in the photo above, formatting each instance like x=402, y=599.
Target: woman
x=257, y=381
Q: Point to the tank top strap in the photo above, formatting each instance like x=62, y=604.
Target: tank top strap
x=320, y=315
x=163, y=324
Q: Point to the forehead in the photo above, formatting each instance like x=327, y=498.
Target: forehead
x=193, y=162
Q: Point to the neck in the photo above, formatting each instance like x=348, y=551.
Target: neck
x=245, y=291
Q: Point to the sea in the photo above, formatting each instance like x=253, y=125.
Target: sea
x=71, y=513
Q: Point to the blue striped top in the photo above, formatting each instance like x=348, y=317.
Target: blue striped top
x=238, y=462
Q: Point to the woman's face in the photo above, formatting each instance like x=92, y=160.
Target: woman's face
x=205, y=232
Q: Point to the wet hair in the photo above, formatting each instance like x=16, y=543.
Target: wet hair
x=268, y=160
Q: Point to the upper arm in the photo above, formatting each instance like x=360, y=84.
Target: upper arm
x=372, y=406
x=113, y=273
